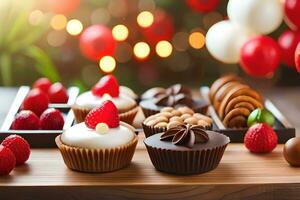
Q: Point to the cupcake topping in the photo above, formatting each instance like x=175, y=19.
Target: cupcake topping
x=107, y=113
x=107, y=85
x=102, y=128
x=186, y=135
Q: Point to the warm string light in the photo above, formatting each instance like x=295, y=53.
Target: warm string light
x=107, y=64
x=120, y=32
x=74, y=27
x=58, y=22
x=145, y=19
x=35, y=17
x=163, y=49
x=141, y=50
x=197, y=40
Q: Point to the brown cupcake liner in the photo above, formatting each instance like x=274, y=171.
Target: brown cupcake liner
x=185, y=162
x=151, y=130
x=148, y=112
x=80, y=113
x=97, y=160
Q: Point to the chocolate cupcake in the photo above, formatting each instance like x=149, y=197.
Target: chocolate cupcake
x=155, y=99
x=186, y=149
x=170, y=117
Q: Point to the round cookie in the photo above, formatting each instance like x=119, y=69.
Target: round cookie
x=234, y=113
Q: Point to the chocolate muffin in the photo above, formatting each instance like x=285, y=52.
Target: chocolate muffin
x=155, y=99
x=186, y=149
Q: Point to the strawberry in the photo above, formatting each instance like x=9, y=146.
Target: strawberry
x=105, y=113
x=107, y=84
x=36, y=101
x=297, y=57
x=26, y=120
x=42, y=84
x=260, y=138
x=57, y=93
x=7, y=160
x=52, y=119
x=19, y=146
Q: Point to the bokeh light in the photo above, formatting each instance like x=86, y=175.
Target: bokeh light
x=179, y=61
x=58, y=22
x=118, y=8
x=123, y=52
x=120, y=32
x=180, y=41
x=107, y=64
x=197, y=40
x=35, y=17
x=74, y=27
x=145, y=19
x=100, y=16
x=141, y=50
x=56, y=38
x=163, y=49
x=146, y=5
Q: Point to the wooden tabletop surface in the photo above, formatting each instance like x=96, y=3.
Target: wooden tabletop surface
x=240, y=175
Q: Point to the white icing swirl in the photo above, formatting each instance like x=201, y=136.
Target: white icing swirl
x=88, y=100
x=127, y=91
x=81, y=136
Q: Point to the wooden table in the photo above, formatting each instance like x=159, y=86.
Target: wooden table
x=240, y=175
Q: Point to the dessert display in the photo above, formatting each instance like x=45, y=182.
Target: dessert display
x=14, y=151
x=170, y=117
x=106, y=89
x=234, y=100
x=186, y=149
x=155, y=99
x=99, y=144
x=291, y=151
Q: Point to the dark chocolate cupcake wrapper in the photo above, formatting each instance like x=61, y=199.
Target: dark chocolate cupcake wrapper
x=185, y=162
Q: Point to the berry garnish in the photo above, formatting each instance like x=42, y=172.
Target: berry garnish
x=260, y=138
x=108, y=84
x=42, y=84
x=36, y=101
x=26, y=120
x=7, y=160
x=106, y=113
x=19, y=146
x=57, y=93
x=52, y=119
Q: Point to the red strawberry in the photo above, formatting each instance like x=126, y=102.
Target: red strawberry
x=7, y=160
x=57, y=93
x=36, y=101
x=105, y=113
x=19, y=146
x=52, y=119
x=42, y=84
x=260, y=138
x=297, y=57
x=107, y=84
x=26, y=120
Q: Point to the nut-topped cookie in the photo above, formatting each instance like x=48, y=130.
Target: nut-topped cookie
x=170, y=117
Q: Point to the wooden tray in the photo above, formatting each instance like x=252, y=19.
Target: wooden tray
x=38, y=138
x=282, y=126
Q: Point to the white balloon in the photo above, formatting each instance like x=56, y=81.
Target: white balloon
x=225, y=39
x=262, y=16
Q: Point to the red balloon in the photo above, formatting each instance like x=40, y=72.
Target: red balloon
x=97, y=41
x=162, y=28
x=202, y=5
x=288, y=41
x=260, y=56
x=297, y=57
x=292, y=13
x=63, y=6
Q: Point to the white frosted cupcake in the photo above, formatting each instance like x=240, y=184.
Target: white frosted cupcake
x=106, y=89
x=100, y=144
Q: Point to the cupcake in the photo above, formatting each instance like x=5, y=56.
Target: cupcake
x=155, y=99
x=170, y=117
x=186, y=149
x=100, y=144
x=106, y=89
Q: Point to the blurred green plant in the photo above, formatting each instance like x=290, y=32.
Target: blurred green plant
x=18, y=39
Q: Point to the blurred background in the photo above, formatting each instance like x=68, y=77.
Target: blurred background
x=42, y=38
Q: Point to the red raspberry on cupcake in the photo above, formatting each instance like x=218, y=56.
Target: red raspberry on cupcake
x=26, y=120
x=36, y=101
x=52, y=119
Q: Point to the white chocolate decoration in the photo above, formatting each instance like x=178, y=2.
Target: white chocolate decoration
x=87, y=99
x=102, y=128
x=128, y=92
x=81, y=136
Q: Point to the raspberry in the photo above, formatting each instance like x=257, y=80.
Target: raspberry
x=42, y=84
x=260, y=138
x=26, y=120
x=52, y=119
x=57, y=93
x=108, y=84
x=36, y=101
x=105, y=113
x=7, y=160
